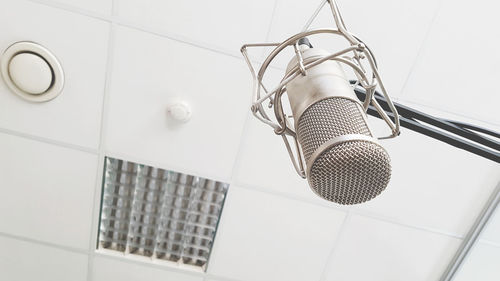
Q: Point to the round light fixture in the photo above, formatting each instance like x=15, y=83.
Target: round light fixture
x=32, y=72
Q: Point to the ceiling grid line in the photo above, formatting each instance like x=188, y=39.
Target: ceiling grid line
x=72, y=9
x=154, y=31
x=271, y=21
x=101, y=156
x=44, y=243
x=48, y=141
x=338, y=239
x=320, y=203
x=231, y=183
x=348, y=210
x=166, y=166
x=268, y=33
x=238, y=157
x=402, y=224
x=489, y=243
x=420, y=48
x=164, y=266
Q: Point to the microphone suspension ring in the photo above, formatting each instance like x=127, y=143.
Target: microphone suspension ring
x=353, y=56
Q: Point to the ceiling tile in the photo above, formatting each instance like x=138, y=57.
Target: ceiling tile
x=443, y=77
x=481, y=264
x=151, y=72
x=266, y=237
x=378, y=251
x=394, y=31
x=21, y=261
x=223, y=24
x=112, y=269
x=80, y=44
x=47, y=191
x=433, y=185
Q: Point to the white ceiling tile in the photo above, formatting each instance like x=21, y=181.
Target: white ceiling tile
x=378, y=251
x=224, y=24
x=459, y=61
x=80, y=44
x=47, y=191
x=149, y=73
x=112, y=269
x=433, y=185
x=98, y=6
x=394, y=31
x=481, y=264
x=22, y=261
x=266, y=237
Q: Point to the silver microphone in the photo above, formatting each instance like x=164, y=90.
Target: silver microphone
x=334, y=147
x=344, y=163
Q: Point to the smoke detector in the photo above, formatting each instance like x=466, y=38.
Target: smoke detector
x=179, y=111
x=32, y=72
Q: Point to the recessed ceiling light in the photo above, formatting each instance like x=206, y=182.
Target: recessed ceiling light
x=159, y=214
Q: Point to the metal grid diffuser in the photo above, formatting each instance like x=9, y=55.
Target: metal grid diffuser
x=160, y=214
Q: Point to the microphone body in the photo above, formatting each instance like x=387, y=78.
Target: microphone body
x=344, y=162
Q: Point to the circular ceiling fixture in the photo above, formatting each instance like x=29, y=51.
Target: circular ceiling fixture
x=32, y=72
x=180, y=111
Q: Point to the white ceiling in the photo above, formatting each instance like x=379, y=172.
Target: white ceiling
x=126, y=60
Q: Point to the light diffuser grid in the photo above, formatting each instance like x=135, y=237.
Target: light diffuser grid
x=158, y=213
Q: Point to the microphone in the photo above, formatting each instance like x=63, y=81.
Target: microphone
x=344, y=163
x=334, y=147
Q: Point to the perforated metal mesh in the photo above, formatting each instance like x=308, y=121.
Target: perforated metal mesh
x=348, y=173
x=351, y=172
x=327, y=119
x=159, y=214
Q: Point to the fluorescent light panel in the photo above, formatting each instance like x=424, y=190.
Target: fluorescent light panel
x=160, y=214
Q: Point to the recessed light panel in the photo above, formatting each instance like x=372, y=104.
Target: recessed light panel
x=159, y=214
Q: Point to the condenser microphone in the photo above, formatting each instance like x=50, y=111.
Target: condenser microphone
x=344, y=162
x=333, y=146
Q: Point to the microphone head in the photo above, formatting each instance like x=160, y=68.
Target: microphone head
x=345, y=164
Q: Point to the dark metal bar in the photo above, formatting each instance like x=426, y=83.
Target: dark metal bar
x=475, y=128
x=469, y=141
x=442, y=124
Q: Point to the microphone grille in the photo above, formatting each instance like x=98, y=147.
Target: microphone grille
x=351, y=172
x=327, y=119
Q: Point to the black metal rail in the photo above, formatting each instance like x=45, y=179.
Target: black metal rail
x=458, y=134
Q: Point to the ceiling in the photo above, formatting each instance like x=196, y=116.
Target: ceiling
x=126, y=60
